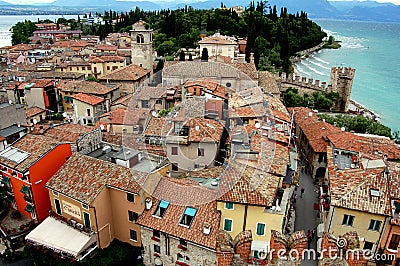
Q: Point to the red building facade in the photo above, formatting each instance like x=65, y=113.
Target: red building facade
x=25, y=168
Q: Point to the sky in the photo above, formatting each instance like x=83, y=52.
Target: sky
x=397, y=2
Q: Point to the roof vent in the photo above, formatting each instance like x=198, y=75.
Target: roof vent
x=214, y=184
x=197, y=128
x=310, y=114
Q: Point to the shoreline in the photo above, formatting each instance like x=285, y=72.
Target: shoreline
x=354, y=106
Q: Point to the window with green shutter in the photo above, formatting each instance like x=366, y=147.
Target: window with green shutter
x=260, y=229
x=228, y=225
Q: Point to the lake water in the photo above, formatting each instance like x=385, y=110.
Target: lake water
x=373, y=49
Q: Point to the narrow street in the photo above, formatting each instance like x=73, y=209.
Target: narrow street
x=306, y=216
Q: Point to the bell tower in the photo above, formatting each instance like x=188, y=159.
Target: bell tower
x=141, y=45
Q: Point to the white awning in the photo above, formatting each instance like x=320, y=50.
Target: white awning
x=260, y=246
x=58, y=236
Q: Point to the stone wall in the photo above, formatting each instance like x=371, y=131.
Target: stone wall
x=88, y=142
x=197, y=255
x=341, y=81
x=11, y=115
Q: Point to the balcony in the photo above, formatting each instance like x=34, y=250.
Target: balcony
x=211, y=112
x=182, y=140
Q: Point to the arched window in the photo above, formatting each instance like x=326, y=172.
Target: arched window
x=140, y=38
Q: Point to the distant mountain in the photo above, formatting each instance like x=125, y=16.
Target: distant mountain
x=108, y=4
x=345, y=6
x=356, y=10
x=387, y=13
x=2, y=3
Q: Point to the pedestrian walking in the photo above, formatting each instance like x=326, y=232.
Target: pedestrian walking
x=301, y=192
x=313, y=234
x=294, y=199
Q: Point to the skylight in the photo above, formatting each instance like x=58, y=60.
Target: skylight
x=14, y=154
x=188, y=216
x=161, y=208
x=375, y=192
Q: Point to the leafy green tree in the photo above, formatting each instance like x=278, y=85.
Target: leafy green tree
x=22, y=31
x=166, y=48
x=92, y=78
x=292, y=98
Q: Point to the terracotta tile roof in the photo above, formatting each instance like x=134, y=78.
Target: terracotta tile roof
x=35, y=145
x=106, y=47
x=67, y=132
x=87, y=98
x=196, y=69
x=351, y=189
x=314, y=129
x=244, y=184
x=147, y=93
x=394, y=175
x=202, y=129
x=129, y=73
x=124, y=52
x=217, y=40
x=158, y=126
x=247, y=111
x=83, y=86
x=83, y=178
x=68, y=43
x=111, y=137
x=246, y=97
x=213, y=172
x=276, y=108
x=42, y=83
x=269, y=82
x=123, y=116
x=106, y=58
x=247, y=68
x=124, y=100
x=273, y=156
x=182, y=193
x=368, y=145
x=207, y=85
x=33, y=111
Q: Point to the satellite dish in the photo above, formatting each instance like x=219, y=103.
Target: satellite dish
x=64, y=114
x=343, y=129
x=34, y=121
x=257, y=125
x=154, y=113
x=102, y=127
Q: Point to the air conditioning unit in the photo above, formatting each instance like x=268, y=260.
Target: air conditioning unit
x=79, y=226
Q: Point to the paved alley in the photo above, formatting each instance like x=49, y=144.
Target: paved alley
x=306, y=216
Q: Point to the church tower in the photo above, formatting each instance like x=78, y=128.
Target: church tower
x=141, y=45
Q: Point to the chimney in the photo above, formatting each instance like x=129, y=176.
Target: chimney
x=252, y=58
x=148, y=203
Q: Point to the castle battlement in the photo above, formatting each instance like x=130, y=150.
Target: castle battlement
x=304, y=82
x=341, y=81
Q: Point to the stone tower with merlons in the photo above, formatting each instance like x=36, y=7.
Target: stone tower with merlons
x=341, y=81
x=141, y=45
